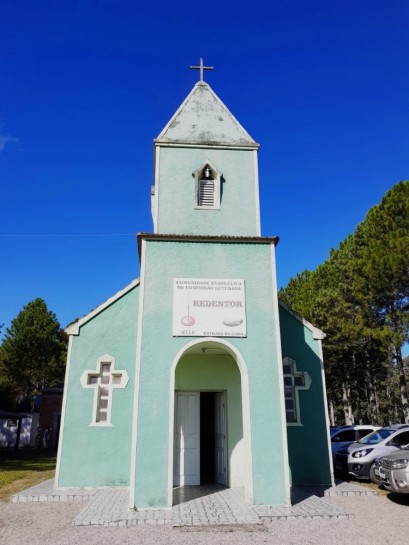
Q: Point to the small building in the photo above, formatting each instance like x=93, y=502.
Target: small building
x=50, y=417
x=195, y=372
x=17, y=430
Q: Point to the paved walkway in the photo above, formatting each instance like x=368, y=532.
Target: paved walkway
x=194, y=505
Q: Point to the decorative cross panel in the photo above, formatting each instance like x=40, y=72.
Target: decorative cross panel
x=293, y=382
x=103, y=380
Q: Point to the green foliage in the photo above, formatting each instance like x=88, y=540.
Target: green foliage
x=382, y=268
x=33, y=351
x=360, y=298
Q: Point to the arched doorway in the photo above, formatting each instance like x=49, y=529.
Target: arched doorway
x=209, y=418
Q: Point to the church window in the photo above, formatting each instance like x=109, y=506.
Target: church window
x=207, y=187
x=103, y=380
x=293, y=382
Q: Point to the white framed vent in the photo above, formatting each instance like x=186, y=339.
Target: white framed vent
x=207, y=187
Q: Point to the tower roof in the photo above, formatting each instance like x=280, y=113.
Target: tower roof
x=203, y=119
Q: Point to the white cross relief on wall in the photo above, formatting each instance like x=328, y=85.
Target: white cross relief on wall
x=104, y=379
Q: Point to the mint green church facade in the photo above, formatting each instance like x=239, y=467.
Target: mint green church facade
x=195, y=372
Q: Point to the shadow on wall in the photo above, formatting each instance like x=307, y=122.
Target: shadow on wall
x=308, y=439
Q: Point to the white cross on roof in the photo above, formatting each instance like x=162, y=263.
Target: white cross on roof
x=201, y=68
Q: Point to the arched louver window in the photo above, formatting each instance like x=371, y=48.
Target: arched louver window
x=207, y=188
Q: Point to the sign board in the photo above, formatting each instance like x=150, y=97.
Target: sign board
x=204, y=307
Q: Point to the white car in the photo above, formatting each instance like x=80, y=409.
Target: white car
x=343, y=437
x=358, y=458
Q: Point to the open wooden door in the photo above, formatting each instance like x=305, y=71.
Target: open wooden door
x=186, y=461
x=220, y=438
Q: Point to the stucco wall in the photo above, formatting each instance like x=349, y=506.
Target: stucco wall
x=238, y=214
x=100, y=455
x=307, y=444
x=251, y=262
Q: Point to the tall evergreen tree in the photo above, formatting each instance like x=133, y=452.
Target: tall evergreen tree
x=360, y=298
x=33, y=351
x=381, y=275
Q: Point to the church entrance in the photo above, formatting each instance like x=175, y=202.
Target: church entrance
x=200, y=440
x=209, y=419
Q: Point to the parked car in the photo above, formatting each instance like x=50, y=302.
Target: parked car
x=334, y=428
x=394, y=471
x=358, y=458
x=344, y=436
x=374, y=471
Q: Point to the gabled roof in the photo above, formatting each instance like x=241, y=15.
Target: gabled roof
x=74, y=327
x=317, y=334
x=204, y=119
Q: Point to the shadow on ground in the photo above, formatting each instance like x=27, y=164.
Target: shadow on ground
x=401, y=499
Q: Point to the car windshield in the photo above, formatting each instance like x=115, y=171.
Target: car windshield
x=376, y=437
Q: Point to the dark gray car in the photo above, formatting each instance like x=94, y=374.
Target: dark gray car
x=358, y=458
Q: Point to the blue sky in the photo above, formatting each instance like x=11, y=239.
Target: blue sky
x=86, y=85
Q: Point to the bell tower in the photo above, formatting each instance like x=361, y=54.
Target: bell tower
x=206, y=171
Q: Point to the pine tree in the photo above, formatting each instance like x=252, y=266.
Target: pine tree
x=33, y=351
x=381, y=282
x=360, y=298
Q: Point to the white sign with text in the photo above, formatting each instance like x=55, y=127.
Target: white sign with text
x=204, y=307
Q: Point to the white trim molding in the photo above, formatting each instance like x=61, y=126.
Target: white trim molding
x=186, y=144
x=134, y=436
x=286, y=461
x=74, y=328
x=325, y=401
x=317, y=334
x=257, y=192
x=63, y=412
x=155, y=208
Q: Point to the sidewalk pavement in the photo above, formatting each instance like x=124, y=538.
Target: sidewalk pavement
x=194, y=505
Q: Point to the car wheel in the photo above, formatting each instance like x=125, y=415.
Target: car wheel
x=375, y=478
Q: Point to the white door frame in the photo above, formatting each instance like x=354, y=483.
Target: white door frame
x=222, y=415
x=232, y=350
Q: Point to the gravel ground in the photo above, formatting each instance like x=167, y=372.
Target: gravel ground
x=379, y=520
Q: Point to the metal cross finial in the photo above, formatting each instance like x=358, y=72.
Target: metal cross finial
x=201, y=68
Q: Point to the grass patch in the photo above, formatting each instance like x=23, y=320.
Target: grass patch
x=363, y=482
x=373, y=486
x=19, y=473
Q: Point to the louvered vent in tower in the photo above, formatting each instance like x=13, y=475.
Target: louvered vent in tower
x=206, y=193
x=207, y=187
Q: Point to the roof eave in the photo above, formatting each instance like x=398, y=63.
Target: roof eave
x=206, y=144
x=317, y=334
x=204, y=238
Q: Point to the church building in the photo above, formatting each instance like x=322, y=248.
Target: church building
x=195, y=373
